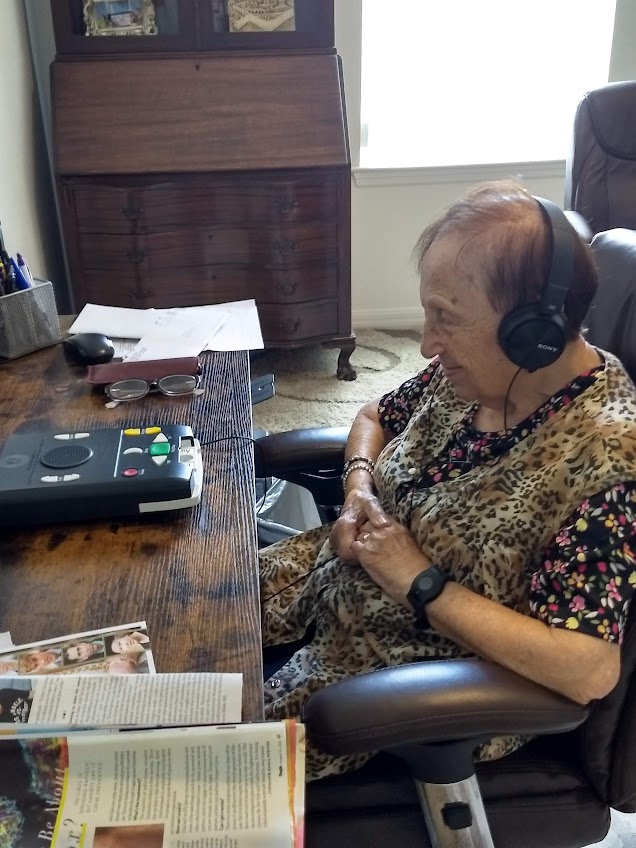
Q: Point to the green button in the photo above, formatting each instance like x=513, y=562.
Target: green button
x=159, y=450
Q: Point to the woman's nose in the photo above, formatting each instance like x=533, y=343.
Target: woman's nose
x=430, y=345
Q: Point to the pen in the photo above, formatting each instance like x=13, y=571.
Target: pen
x=21, y=282
x=22, y=265
x=9, y=281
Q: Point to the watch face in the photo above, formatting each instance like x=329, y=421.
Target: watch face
x=426, y=587
x=425, y=582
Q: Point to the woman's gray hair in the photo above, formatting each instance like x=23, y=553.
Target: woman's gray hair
x=515, y=253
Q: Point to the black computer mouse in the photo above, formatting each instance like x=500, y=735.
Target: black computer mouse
x=89, y=348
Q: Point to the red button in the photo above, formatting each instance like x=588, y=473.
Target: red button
x=130, y=472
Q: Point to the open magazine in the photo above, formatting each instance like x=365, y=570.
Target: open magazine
x=228, y=786
x=76, y=771
x=112, y=650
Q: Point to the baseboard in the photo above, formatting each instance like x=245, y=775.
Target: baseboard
x=403, y=318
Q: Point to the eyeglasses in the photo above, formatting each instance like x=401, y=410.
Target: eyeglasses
x=177, y=384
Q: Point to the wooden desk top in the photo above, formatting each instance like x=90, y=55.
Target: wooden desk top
x=193, y=578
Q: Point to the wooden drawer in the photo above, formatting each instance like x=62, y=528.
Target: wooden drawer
x=211, y=284
x=170, y=206
x=272, y=248
x=298, y=322
x=101, y=209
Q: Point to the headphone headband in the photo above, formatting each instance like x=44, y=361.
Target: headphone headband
x=562, y=262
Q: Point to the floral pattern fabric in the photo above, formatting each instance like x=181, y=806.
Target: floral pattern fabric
x=588, y=574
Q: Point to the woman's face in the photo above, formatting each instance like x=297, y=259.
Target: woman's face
x=460, y=325
x=82, y=651
x=125, y=645
x=38, y=659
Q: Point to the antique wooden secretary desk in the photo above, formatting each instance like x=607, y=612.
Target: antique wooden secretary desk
x=197, y=163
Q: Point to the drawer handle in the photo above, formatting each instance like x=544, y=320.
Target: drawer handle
x=284, y=246
x=285, y=206
x=131, y=212
x=135, y=256
x=290, y=326
x=286, y=287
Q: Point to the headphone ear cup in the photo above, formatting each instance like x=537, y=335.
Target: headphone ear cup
x=532, y=340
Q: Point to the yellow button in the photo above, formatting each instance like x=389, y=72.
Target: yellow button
x=150, y=431
x=132, y=431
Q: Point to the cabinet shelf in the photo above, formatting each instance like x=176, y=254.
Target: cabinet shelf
x=192, y=25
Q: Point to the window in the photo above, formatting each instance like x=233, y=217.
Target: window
x=456, y=82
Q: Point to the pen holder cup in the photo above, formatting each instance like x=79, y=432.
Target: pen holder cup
x=28, y=320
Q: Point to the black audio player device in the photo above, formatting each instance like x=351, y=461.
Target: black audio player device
x=106, y=473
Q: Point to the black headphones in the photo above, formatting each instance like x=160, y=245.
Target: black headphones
x=533, y=336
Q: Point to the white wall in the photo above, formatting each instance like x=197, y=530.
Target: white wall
x=389, y=211
x=24, y=175
x=386, y=218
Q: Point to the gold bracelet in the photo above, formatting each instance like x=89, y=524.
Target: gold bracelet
x=356, y=466
x=358, y=458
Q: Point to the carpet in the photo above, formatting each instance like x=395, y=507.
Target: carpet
x=308, y=393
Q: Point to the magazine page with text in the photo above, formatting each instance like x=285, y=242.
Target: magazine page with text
x=232, y=786
x=62, y=704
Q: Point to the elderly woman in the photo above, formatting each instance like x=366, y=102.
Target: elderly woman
x=490, y=508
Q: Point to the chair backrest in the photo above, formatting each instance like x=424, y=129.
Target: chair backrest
x=608, y=737
x=611, y=320
x=601, y=166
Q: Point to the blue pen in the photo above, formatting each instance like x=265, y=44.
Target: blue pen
x=21, y=282
x=22, y=265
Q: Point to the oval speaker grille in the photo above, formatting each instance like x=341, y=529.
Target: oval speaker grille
x=66, y=456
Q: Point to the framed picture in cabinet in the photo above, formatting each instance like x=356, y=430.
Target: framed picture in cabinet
x=120, y=17
x=261, y=15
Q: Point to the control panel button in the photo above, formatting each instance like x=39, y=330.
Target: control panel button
x=50, y=479
x=130, y=472
x=62, y=436
x=82, y=435
x=159, y=450
x=134, y=450
x=159, y=460
x=68, y=477
x=132, y=431
x=160, y=438
x=151, y=431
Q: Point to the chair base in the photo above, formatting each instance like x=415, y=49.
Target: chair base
x=454, y=814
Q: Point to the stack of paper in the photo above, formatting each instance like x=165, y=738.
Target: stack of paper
x=177, y=332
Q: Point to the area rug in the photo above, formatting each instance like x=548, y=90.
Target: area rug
x=308, y=393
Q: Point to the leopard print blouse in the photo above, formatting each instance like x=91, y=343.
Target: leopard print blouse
x=489, y=527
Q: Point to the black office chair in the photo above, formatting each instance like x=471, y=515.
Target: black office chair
x=601, y=165
x=427, y=718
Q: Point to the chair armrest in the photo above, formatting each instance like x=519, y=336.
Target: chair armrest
x=312, y=458
x=295, y=451
x=433, y=701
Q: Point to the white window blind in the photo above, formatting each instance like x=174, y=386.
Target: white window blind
x=456, y=82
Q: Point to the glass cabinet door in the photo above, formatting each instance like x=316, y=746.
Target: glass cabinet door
x=266, y=24
x=123, y=26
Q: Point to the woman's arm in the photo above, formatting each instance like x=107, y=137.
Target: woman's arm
x=375, y=425
x=367, y=438
x=578, y=665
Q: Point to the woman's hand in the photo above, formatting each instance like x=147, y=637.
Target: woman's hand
x=361, y=507
x=390, y=556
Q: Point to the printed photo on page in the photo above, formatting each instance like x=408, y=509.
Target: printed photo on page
x=112, y=650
